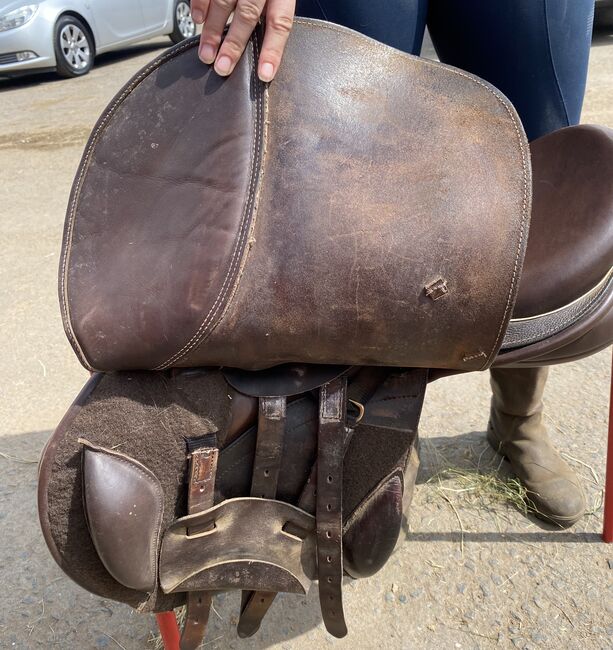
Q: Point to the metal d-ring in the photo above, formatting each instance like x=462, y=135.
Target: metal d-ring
x=360, y=408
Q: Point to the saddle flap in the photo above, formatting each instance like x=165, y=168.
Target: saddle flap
x=290, y=239
x=241, y=543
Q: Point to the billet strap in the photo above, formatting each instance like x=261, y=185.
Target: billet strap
x=266, y=466
x=269, y=447
x=329, y=513
x=200, y=496
x=308, y=496
x=260, y=601
x=253, y=609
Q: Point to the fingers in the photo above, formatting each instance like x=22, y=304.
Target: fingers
x=246, y=16
x=214, y=24
x=215, y=13
x=199, y=9
x=279, y=22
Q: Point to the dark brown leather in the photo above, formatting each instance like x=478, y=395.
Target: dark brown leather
x=285, y=380
x=265, y=477
x=330, y=453
x=202, y=472
x=331, y=172
x=200, y=496
x=371, y=208
x=251, y=540
x=197, y=612
x=570, y=246
x=357, y=180
x=588, y=336
x=255, y=607
x=371, y=533
x=269, y=447
x=124, y=505
x=179, y=188
x=299, y=450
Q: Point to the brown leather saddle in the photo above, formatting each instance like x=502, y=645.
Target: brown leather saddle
x=264, y=279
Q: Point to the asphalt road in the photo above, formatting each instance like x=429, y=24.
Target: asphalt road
x=471, y=573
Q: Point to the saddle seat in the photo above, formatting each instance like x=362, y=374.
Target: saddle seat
x=568, y=268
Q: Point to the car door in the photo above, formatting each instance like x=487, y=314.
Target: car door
x=118, y=20
x=157, y=13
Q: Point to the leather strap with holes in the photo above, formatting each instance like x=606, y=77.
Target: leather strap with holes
x=269, y=447
x=266, y=466
x=200, y=496
x=330, y=452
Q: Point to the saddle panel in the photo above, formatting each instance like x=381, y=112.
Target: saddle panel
x=113, y=486
x=381, y=220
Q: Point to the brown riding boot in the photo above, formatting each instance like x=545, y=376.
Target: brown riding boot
x=516, y=431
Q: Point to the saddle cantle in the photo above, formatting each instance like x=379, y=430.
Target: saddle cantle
x=267, y=277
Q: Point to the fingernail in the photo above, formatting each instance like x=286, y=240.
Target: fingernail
x=223, y=65
x=267, y=71
x=207, y=53
x=198, y=16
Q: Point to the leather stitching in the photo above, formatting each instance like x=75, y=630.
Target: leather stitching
x=152, y=480
x=84, y=167
x=248, y=211
x=526, y=176
x=566, y=321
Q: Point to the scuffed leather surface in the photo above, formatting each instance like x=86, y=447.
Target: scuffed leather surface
x=245, y=536
x=147, y=416
x=160, y=211
x=383, y=173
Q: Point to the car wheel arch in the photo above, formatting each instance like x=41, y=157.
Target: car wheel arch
x=85, y=22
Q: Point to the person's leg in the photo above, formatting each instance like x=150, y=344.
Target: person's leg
x=398, y=23
x=535, y=52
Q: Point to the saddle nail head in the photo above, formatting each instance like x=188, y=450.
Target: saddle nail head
x=436, y=289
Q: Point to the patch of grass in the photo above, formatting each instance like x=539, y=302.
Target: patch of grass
x=484, y=487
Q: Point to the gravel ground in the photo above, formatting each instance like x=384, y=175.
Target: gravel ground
x=469, y=573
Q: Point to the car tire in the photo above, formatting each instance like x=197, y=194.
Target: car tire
x=182, y=24
x=74, y=47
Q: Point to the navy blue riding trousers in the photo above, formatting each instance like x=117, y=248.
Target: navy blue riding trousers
x=534, y=51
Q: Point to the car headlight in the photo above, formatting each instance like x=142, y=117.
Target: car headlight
x=17, y=17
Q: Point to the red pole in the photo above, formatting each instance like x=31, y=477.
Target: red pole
x=607, y=532
x=169, y=630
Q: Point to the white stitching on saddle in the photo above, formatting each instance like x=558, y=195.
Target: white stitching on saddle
x=84, y=166
x=249, y=210
x=525, y=212
x=139, y=467
x=198, y=337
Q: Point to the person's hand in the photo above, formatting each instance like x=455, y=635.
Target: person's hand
x=215, y=13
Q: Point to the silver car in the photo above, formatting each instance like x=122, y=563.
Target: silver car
x=65, y=35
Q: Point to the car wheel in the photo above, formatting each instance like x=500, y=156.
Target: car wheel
x=183, y=25
x=74, y=47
